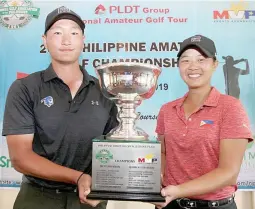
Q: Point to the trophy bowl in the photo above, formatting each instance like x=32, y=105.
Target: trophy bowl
x=127, y=84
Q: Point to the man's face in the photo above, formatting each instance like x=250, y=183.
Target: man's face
x=64, y=41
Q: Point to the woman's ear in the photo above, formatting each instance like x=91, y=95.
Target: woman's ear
x=215, y=65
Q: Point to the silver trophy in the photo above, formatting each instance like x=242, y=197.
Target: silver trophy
x=126, y=165
x=128, y=84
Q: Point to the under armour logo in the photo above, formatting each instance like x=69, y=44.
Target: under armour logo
x=94, y=102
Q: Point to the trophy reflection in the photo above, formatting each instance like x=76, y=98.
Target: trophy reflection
x=125, y=162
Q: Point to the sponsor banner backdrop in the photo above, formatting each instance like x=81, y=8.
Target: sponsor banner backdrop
x=147, y=32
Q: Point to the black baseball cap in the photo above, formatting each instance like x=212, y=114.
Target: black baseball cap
x=203, y=43
x=63, y=13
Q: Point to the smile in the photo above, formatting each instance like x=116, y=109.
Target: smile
x=194, y=75
x=66, y=50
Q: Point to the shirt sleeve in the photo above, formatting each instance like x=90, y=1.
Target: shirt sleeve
x=235, y=123
x=113, y=120
x=18, y=114
x=160, y=127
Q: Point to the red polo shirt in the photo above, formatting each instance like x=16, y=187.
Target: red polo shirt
x=193, y=144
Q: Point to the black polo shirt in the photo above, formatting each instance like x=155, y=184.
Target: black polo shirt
x=63, y=128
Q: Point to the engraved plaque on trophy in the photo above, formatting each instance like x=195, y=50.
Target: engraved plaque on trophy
x=126, y=164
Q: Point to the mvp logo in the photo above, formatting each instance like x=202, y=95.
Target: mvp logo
x=239, y=15
x=144, y=160
x=147, y=159
x=237, y=11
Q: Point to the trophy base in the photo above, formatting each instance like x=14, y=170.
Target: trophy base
x=126, y=170
x=121, y=196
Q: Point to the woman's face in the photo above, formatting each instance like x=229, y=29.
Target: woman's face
x=195, y=69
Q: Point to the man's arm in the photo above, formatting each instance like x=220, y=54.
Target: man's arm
x=19, y=128
x=26, y=161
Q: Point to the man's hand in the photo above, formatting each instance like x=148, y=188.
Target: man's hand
x=170, y=193
x=84, y=184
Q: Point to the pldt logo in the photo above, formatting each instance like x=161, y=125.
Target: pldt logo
x=238, y=12
x=100, y=9
x=124, y=9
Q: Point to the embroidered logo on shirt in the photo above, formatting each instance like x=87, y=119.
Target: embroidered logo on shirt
x=204, y=122
x=48, y=101
x=94, y=102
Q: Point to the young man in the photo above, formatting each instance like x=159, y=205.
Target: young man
x=50, y=120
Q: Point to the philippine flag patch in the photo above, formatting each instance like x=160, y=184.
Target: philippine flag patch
x=204, y=122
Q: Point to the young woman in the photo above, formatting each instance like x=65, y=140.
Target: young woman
x=203, y=134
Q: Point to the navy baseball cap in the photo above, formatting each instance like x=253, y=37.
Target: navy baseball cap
x=63, y=13
x=203, y=43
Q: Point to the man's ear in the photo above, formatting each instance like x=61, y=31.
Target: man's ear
x=44, y=41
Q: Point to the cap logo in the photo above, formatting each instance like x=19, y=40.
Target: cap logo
x=196, y=39
x=63, y=9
